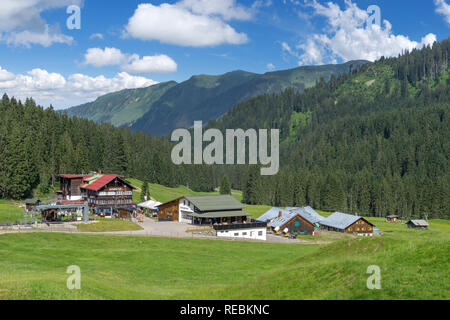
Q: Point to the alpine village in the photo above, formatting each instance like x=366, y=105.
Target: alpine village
x=364, y=180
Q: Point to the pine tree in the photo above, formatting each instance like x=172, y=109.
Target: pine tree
x=225, y=186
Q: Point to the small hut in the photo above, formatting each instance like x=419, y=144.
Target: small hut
x=392, y=218
x=417, y=224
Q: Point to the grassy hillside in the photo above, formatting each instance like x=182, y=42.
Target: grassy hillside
x=9, y=212
x=163, y=107
x=122, y=107
x=414, y=265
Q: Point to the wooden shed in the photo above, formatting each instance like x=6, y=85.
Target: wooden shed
x=417, y=224
x=392, y=218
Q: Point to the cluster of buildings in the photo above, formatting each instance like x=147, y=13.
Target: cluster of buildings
x=110, y=195
x=306, y=221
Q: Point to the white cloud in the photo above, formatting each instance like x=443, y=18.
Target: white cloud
x=130, y=63
x=21, y=22
x=53, y=88
x=443, y=9
x=270, y=66
x=186, y=24
x=227, y=9
x=104, y=57
x=348, y=37
x=150, y=64
x=96, y=36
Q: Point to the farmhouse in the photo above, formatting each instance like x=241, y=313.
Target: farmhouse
x=300, y=221
x=417, y=224
x=342, y=222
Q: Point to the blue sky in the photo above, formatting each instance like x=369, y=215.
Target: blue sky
x=126, y=44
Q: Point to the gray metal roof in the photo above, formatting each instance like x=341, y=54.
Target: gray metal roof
x=215, y=202
x=309, y=214
x=220, y=214
x=340, y=220
x=279, y=221
x=271, y=214
x=419, y=223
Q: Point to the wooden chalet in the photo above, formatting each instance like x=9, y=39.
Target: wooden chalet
x=106, y=194
x=342, y=222
x=417, y=224
x=70, y=186
x=203, y=210
x=299, y=221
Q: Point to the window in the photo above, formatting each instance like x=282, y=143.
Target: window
x=244, y=233
x=236, y=234
x=296, y=223
x=260, y=233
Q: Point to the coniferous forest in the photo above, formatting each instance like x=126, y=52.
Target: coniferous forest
x=375, y=141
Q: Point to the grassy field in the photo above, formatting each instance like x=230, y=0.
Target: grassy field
x=414, y=265
x=9, y=212
x=109, y=225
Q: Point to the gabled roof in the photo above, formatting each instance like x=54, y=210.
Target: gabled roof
x=280, y=221
x=98, y=181
x=215, y=202
x=341, y=220
x=419, y=223
x=272, y=213
x=309, y=214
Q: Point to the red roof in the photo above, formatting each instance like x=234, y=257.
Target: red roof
x=74, y=176
x=100, y=182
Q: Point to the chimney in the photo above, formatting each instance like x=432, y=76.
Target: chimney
x=279, y=214
x=99, y=171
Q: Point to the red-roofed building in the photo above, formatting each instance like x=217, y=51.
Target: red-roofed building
x=105, y=193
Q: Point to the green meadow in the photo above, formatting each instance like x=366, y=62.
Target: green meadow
x=414, y=265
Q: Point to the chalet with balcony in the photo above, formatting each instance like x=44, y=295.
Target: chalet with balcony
x=105, y=194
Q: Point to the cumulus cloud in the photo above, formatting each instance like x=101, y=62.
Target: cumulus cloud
x=53, y=88
x=349, y=37
x=130, y=63
x=443, y=9
x=150, y=64
x=21, y=22
x=195, y=23
x=104, y=57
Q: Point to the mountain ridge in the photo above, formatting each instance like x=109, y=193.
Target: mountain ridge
x=162, y=107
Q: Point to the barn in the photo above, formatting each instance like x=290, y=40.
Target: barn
x=417, y=224
x=343, y=222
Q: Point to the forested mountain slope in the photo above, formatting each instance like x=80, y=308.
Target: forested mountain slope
x=376, y=141
x=373, y=142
